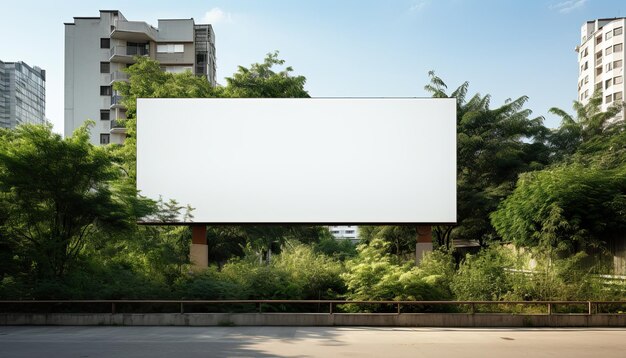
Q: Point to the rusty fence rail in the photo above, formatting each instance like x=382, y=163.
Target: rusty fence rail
x=548, y=307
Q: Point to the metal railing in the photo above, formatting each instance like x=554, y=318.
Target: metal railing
x=584, y=307
x=116, y=100
x=128, y=51
x=117, y=124
x=118, y=76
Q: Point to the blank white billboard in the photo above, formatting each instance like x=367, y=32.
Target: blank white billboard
x=320, y=160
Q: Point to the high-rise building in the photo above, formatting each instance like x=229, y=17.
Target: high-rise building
x=22, y=94
x=601, y=61
x=97, y=49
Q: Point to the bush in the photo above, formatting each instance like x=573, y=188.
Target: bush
x=484, y=276
x=376, y=275
x=297, y=273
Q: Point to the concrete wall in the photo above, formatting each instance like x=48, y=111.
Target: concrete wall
x=181, y=58
x=176, y=30
x=82, y=75
x=317, y=319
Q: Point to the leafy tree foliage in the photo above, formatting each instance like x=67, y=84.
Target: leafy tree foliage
x=590, y=124
x=56, y=195
x=568, y=207
x=261, y=81
x=577, y=204
x=494, y=146
x=401, y=239
x=339, y=249
x=374, y=274
x=297, y=273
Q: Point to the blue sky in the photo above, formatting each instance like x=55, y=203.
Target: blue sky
x=506, y=48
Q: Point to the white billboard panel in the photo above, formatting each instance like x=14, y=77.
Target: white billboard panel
x=320, y=160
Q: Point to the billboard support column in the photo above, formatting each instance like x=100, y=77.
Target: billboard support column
x=424, y=242
x=199, y=250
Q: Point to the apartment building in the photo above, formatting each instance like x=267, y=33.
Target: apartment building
x=97, y=49
x=345, y=232
x=601, y=61
x=22, y=94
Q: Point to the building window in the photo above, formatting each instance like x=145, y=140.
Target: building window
x=608, y=35
x=618, y=48
x=105, y=90
x=176, y=69
x=171, y=48
x=607, y=84
x=609, y=50
x=609, y=66
x=105, y=138
x=105, y=67
x=617, y=31
x=598, y=39
x=618, y=80
x=617, y=64
x=617, y=96
x=105, y=114
x=105, y=43
x=609, y=99
x=585, y=51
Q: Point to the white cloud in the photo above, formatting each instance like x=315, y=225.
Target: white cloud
x=567, y=6
x=418, y=5
x=216, y=15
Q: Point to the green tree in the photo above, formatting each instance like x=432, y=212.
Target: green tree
x=571, y=208
x=401, y=239
x=374, y=274
x=494, y=146
x=57, y=194
x=578, y=204
x=590, y=124
x=261, y=81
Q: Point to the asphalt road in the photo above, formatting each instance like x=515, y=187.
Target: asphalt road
x=181, y=342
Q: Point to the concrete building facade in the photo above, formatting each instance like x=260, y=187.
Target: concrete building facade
x=22, y=94
x=97, y=49
x=601, y=61
x=345, y=232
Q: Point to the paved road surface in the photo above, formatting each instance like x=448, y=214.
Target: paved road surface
x=179, y=342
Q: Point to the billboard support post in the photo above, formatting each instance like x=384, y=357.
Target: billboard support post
x=199, y=250
x=424, y=242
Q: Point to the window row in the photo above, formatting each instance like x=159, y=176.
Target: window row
x=613, y=81
x=616, y=32
x=615, y=48
x=617, y=96
x=614, y=64
x=170, y=48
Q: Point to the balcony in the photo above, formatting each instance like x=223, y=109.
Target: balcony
x=118, y=76
x=133, y=31
x=126, y=54
x=116, y=101
x=117, y=127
